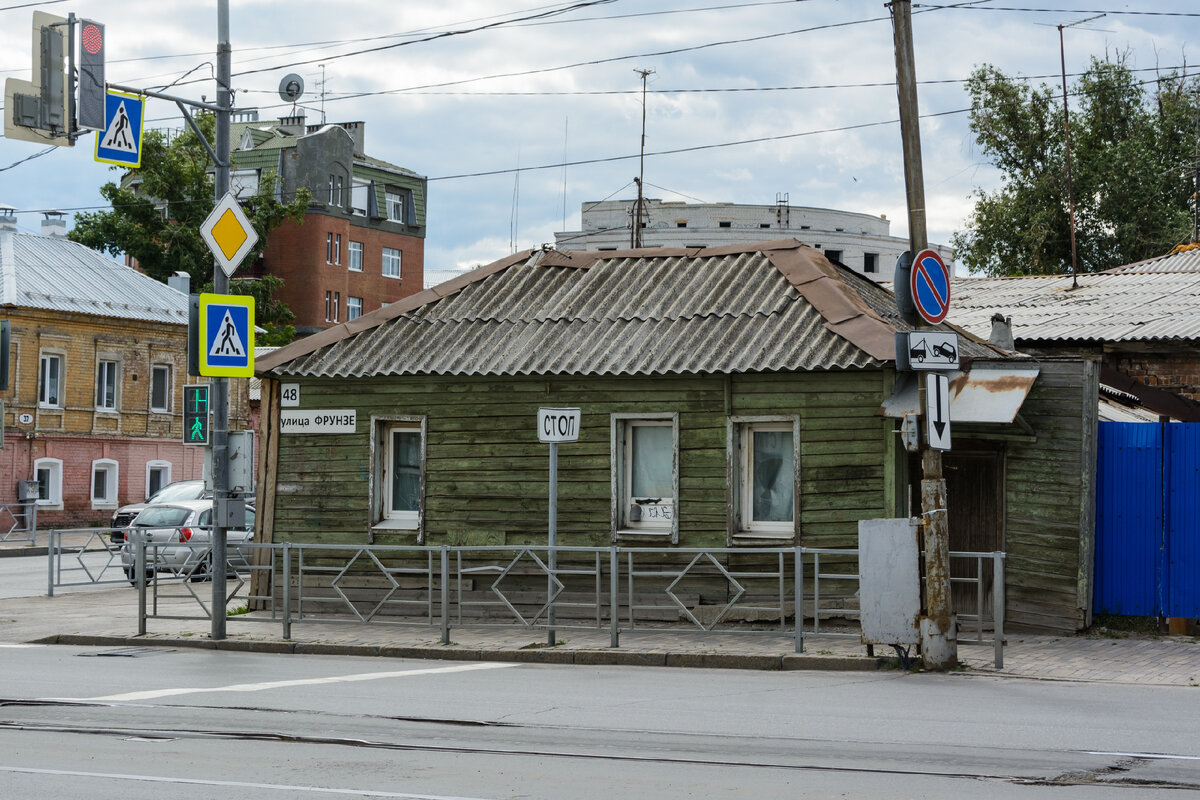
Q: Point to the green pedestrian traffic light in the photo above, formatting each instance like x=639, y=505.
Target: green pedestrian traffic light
x=195, y=414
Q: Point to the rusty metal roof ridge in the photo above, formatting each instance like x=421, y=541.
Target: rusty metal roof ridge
x=846, y=313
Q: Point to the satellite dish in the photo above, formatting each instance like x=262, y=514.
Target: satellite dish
x=291, y=87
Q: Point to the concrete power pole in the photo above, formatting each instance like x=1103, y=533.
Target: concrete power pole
x=220, y=386
x=939, y=639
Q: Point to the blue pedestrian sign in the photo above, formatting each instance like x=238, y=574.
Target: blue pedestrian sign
x=120, y=142
x=930, y=285
x=226, y=336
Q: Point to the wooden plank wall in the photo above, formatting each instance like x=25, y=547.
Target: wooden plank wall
x=487, y=474
x=1051, y=501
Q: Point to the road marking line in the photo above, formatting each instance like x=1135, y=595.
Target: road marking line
x=154, y=694
x=19, y=646
x=1143, y=755
x=237, y=784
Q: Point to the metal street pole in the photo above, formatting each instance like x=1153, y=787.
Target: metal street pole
x=220, y=388
x=552, y=540
x=939, y=642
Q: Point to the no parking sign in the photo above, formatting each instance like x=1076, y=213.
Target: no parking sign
x=929, y=282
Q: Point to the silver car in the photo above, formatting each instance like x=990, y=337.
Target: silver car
x=179, y=540
x=172, y=492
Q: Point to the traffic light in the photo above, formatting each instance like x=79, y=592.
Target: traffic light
x=195, y=414
x=90, y=111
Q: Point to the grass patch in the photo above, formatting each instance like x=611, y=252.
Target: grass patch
x=237, y=611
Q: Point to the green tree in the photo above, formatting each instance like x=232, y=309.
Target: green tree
x=157, y=212
x=1131, y=144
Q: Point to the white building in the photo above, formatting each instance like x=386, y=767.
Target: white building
x=860, y=241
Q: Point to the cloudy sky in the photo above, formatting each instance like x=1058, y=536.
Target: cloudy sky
x=746, y=100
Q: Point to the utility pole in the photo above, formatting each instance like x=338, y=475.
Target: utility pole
x=636, y=236
x=1062, y=56
x=939, y=639
x=220, y=387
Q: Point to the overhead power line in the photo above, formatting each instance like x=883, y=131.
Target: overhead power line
x=1139, y=13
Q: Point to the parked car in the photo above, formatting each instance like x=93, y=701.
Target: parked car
x=179, y=490
x=179, y=539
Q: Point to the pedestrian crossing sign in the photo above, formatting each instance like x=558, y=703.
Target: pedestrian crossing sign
x=226, y=336
x=120, y=142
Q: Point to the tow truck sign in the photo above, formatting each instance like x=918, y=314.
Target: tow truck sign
x=927, y=350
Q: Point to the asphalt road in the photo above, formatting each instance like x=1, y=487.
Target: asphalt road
x=140, y=723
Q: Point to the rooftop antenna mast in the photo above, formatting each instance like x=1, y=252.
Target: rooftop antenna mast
x=636, y=234
x=322, y=66
x=1062, y=54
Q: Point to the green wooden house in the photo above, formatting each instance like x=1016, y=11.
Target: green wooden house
x=740, y=396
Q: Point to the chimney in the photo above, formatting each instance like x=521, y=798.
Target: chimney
x=357, y=131
x=1002, y=335
x=292, y=126
x=54, y=224
x=180, y=281
x=8, y=219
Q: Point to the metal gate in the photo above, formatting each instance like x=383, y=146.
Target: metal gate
x=1148, y=519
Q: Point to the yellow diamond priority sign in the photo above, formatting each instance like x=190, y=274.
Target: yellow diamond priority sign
x=228, y=234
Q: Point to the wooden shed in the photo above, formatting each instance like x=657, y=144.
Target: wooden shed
x=735, y=396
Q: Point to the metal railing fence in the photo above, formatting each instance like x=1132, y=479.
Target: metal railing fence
x=796, y=591
x=18, y=522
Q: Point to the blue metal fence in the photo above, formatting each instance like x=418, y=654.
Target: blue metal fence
x=1148, y=519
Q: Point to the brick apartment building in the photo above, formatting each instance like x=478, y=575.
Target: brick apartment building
x=362, y=242
x=98, y=358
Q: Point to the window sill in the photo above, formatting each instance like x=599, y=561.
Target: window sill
x=642, y=533
x=104, y=506
x=395, y=525
x=393, y=277
x=752, y=537
x=49, y=505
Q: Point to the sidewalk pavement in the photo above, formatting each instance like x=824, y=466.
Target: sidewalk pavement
x=107, y=616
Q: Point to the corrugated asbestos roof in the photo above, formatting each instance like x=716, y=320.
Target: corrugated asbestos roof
x=55, y=274
x=743, y=308
x=1157, y=299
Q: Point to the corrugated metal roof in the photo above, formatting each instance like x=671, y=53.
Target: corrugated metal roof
x=55, y=274
x=1185, y=260
x=1137, y=305
x=722, y=310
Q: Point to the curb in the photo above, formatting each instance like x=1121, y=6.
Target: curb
x=759, y=663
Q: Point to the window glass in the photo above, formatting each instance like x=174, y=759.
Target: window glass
x=162, y=516
x=45, y=477
x=391, y=262
x=49, y=382
x=356, y=256
x=405, y=464
x=99, y=483
x=156, y=478
x=353, y=307
x=773, y=471
x=160, y=387
x=650, y=462
x=106, y=385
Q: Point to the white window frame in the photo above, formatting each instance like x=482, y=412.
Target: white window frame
x=337, y=249
x=382, y=518
x=152, y=466
x=108, y=369
x=356, y=256
x=111, y=469
x=392, y=254
x=359, y=197
x=621, y=445
x=168, y=394
x=53, y=499
x=741, y=480
x=44, y=359
x=394, y=201
x=354, y=307
x=329, y=247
